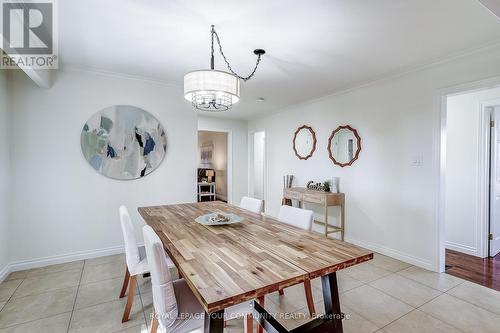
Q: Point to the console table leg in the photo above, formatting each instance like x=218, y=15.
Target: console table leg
x=342, y=216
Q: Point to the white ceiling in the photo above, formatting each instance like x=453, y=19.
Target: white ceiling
x=314, y=47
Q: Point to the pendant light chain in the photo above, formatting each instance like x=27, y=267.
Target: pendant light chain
x=257, y=52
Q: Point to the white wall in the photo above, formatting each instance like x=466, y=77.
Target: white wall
x=463, y=173
x=219, y=159
x=392, y=205
x=5, y=141
x=60, y=204
x=239, y=137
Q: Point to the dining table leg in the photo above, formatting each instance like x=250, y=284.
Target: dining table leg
x=332, y=301
x=214, y=322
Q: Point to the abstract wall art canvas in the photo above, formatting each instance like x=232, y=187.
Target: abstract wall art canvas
x=206, y=155
x=123, y=142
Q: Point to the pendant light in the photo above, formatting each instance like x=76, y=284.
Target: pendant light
x=213, y=90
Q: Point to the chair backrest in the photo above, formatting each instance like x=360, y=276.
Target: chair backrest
x=300, y=218
x=251, y=204
x=131, y=250
x=164, y=301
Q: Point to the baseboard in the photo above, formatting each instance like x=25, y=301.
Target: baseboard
x=59, y=259
x=388, y=252
x=4, y=272
x=462, y=248
x=393, y=253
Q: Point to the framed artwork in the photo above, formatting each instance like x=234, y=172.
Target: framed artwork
x=206, y=154
x=123, y=142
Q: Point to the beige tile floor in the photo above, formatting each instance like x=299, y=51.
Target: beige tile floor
x=384, y=295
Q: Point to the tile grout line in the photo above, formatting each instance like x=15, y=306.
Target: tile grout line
x=44, y=292
x=50, y=291
x=463, y=300
x=392, y=273
x=368, y=284
x=414, y=308
x=431, y=315
x=409, y=278
x=10, y=297
x=41, y=292
x=107, y=279
x=51, y=272
x=37, y=277
x=94, y=304
x=349, y=276
x=91, y=282
x=417, y=309
x=364, y=284
x=402, y=301
x=76, y=297
x=30, y=321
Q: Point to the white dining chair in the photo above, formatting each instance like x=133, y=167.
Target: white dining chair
x=175, y=308
x=137, y=262
x=303, y=219
x=252, y=204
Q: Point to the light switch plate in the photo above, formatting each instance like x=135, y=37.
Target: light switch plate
x=418, y=160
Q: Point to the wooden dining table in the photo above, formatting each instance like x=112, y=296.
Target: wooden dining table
x=229, y=264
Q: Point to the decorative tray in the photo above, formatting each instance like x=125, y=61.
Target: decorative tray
x=219, y=219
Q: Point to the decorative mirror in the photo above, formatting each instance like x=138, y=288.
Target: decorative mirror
x=123, y=142
x=344, y=146
x=304, y=142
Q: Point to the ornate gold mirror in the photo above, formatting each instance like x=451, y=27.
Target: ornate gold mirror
x=304, y=142
x=344, y=146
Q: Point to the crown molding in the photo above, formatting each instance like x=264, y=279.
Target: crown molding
x=390, y=76
x=121, y=75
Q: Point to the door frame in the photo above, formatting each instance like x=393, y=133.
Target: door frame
x=251, y=160
x=487, y=224
x=229, y=179
x=440, y=155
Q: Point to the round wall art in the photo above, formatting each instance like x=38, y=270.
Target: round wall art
x=123, y=142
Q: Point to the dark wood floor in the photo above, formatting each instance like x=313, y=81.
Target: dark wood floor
x=482, y=271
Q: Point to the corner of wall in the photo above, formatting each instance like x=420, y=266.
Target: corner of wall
x=5, y=169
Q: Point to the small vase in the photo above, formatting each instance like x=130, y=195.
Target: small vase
x=335, y=185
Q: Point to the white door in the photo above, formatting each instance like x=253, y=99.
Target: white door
x=257, y=165
x=495, y=184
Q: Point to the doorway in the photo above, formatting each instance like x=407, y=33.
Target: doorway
x=257, y=167
x=494, y=220
x=214, y=172
x=471, y=170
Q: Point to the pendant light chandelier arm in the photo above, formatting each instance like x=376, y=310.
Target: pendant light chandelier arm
x=258, y=52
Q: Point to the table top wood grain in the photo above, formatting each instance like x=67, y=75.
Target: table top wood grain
x=226, y=265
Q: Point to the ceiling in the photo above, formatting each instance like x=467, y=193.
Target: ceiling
x=314, y=47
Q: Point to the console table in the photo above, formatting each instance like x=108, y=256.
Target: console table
x=203, y=192
x=325, y=199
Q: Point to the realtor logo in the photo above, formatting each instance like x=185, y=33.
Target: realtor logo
x=28, y=34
